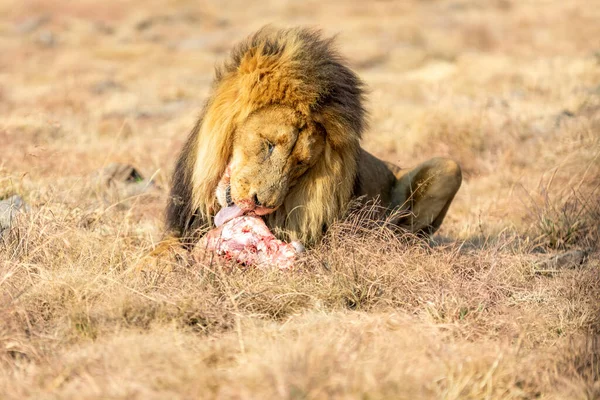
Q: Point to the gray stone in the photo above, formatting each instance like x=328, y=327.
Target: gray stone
x=46, y=39
x=115, y=173
x=123, y=180
x=9, y=208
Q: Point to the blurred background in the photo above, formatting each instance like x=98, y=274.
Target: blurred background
x=490, y=83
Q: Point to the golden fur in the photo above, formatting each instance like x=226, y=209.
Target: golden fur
x=281, y=131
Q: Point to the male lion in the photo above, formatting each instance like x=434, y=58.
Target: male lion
x=280, y=137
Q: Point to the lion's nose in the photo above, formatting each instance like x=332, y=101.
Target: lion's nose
x=228, y=198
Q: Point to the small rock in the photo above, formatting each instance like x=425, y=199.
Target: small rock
x=9, y=208
x=116, y=173
x=124, y=179
x=104, y=28
x=144, y=24
x=46, y=39
x=569, y=260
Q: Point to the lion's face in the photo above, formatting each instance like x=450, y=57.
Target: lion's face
x=272, y=151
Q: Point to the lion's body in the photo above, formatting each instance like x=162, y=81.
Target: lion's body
x=280, y=136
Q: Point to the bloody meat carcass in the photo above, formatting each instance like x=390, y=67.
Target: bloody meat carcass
x=247, y=240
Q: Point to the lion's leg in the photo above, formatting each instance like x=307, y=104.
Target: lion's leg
x=425, y=193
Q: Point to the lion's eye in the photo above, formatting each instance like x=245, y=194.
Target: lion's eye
x=270, y=148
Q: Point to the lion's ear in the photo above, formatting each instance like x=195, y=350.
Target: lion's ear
x=339, y=134
x=320, y=124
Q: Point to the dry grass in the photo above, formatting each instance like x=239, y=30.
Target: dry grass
x=509, y=89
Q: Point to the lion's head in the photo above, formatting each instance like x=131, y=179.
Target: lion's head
x=279, y=135
x=271, y=152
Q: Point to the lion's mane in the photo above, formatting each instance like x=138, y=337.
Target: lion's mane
x=296, y=68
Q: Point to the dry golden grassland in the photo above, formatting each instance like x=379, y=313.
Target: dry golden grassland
x=510, y=89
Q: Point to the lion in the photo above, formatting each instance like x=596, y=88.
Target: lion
x=279, y=136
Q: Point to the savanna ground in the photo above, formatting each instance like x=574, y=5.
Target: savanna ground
x=510, y=89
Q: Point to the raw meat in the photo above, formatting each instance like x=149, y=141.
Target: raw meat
x=247, y=240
